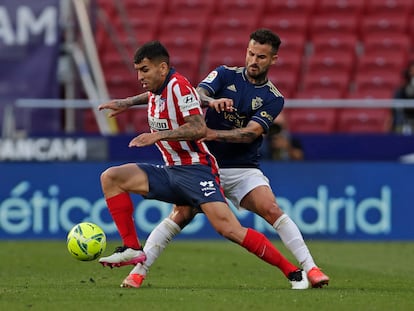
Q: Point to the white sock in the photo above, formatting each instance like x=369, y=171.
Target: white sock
x=292, y=238
x=158, y=239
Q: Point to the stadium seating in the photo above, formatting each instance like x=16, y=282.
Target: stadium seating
x=191, y=7
x=119, y=72
x=292, y=44
x=379, y=62
x=365, y=81
x=285, y=81
x=289, y=62
x=136, y=8
x=388, y=42
x=371, y=93
x=367, y=120
x=330, y=49
x=224, y=50
x=333, y=24
x=286, y=25
x=332, y=62
x=144, y=28
x=344, y=7
x=182, y=44
x=139, y=120
x=187, y=64
x=333, y=42
x=401, y=7
x=234, y=26
x=185, y=54
x=239, y=9
x=90, y=126
x=311, y=120
x=302, y=8
x=319, y=93
x=323, y=83
x=184, y=25
x=383, y=23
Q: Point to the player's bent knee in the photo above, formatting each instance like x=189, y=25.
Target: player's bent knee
x=109, y=176
x=271, y=213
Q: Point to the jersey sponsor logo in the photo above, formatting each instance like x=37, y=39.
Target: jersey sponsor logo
x=188, y=99
x=190, y=102
x=257, y=103
x=264, y=114
x=211, y=76
x=208, y=187
x=208, y=184
x=232, y=88
x=158, y=124
x=236, y=119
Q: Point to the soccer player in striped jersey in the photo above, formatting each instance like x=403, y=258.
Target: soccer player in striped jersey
x=242, y=104
x=189, y=177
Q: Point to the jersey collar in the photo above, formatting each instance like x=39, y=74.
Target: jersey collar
x=246, y=79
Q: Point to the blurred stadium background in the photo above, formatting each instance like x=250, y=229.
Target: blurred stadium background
x=339, y=65
x=331, y=49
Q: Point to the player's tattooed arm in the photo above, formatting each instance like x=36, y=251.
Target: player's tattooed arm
x=140, y=99
x=238, y=135
x=194, y=128
x=118, y=106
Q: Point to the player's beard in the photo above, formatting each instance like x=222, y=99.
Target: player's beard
x=260, y=77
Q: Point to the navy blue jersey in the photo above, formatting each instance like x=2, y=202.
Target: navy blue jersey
x=259, y=103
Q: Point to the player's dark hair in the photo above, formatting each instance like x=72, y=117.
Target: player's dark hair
x=152, y=50
x=266, y=36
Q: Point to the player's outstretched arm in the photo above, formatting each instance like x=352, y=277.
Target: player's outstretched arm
x=194, y=128
x=238, y=135
x=118, y=106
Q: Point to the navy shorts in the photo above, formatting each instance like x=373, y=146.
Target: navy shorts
x=183, y=185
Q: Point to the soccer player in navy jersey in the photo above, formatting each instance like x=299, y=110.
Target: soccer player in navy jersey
x=189, y=177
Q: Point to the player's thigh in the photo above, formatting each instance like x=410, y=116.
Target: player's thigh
x=129, y=177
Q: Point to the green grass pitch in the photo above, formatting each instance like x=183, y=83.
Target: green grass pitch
x=207, y=275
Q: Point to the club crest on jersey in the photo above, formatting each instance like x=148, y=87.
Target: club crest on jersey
x=161, y=103
x=257, y=103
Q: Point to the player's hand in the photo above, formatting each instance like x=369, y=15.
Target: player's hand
x=145, y=139
x=116, y=106
x=222, y=104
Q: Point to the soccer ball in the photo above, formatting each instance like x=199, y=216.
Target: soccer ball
x=86, y=241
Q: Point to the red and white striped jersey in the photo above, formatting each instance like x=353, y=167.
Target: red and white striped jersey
x=166, y=111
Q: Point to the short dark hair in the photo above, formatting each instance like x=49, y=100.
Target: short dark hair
x=266, y=36
x=152, y=50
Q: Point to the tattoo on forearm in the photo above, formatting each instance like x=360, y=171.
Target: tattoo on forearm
x=140, y=99
x=122, y=103
x=236, y=136
x=193, y=129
